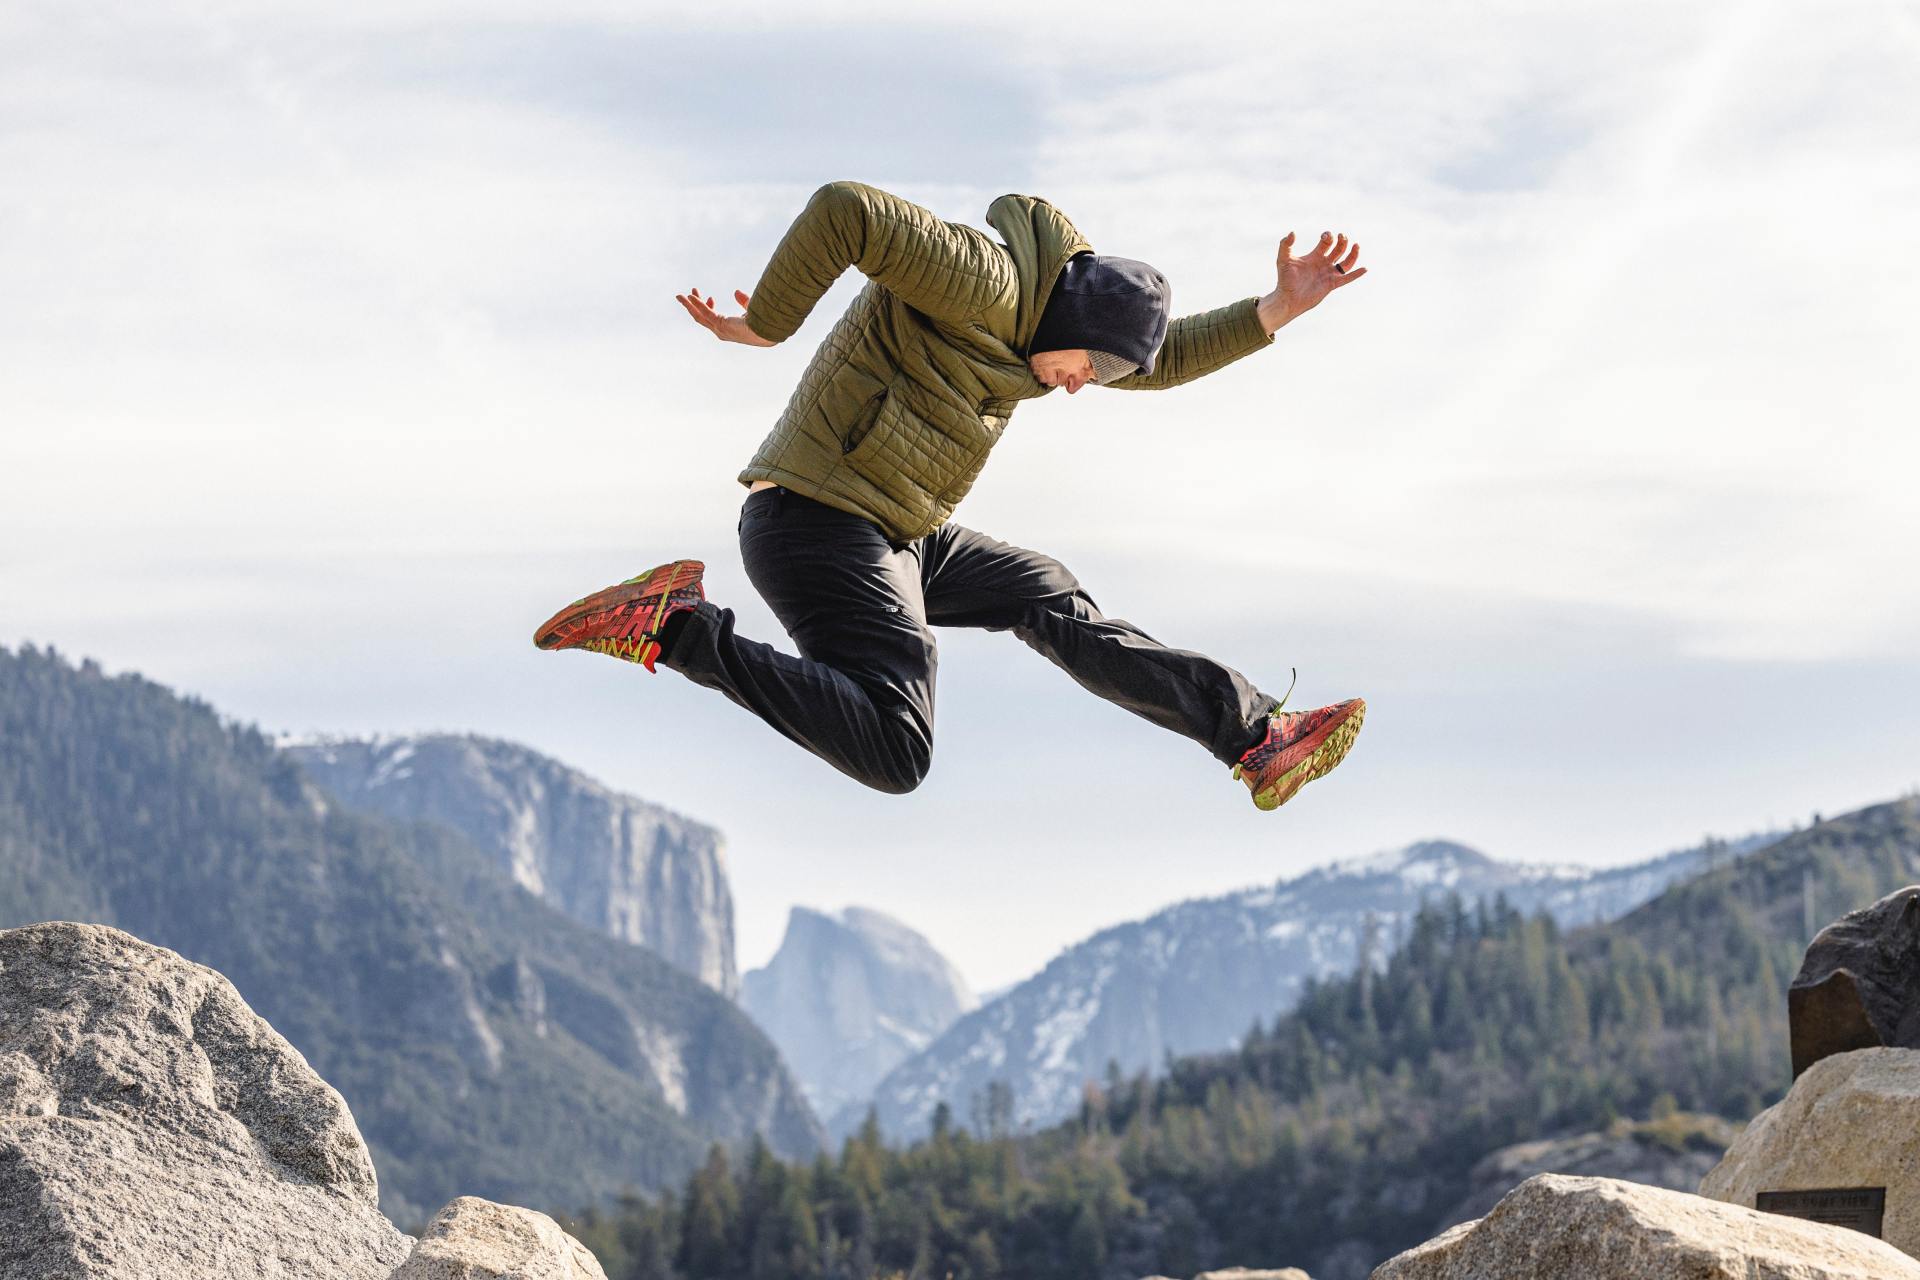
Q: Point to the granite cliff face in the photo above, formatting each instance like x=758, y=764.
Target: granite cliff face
x=631, y=869
x=848, y=997
x=1192, y=978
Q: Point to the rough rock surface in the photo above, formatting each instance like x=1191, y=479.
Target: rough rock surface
x=1243, y=1273
x=151, y=1124
x=848, y=997
x=1853, y=1120
x=1674, y=1153
x=475, y=1239
x=615, y=863
x=1859, y=986
x=1563, y=1228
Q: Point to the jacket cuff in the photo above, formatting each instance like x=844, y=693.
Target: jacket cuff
x=768, y=328
x=1247, y=334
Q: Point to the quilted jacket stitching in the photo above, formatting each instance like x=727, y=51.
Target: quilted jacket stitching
x=935, y=366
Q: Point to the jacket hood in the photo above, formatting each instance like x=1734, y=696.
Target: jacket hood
x=1040, y=240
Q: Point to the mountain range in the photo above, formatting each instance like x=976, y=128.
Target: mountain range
x=1193, y=977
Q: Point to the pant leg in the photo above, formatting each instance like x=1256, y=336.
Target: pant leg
x=972, y=580
x=860, y=693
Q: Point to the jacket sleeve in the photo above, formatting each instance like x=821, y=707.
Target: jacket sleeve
x=948, y=271
x=1197, y=345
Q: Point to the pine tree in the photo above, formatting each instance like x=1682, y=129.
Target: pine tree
x=1086, y=1242
x=711, y=1221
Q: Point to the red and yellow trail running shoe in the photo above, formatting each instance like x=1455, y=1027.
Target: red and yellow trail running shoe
x=1299, y=747
x=624, y=621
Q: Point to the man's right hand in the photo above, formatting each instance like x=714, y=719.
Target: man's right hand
x=725, y=328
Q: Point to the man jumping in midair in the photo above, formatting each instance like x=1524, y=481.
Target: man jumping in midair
x=844, y=531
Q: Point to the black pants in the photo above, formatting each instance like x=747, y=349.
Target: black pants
x=859, y=608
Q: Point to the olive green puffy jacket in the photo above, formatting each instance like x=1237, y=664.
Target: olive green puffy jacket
x=904, y=398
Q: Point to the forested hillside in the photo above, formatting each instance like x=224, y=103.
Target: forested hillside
x=1341, y=1133
x=487, y=1044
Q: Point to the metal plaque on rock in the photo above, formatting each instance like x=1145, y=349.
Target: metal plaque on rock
x=1861, y=1208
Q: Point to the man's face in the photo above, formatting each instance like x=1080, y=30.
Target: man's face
x=1070, y=369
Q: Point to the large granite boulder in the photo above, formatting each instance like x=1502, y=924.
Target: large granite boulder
x=1859, y=986
x=1853, y=1120
x=151, y=1124
x=1554, y=1227
x=475, y=1239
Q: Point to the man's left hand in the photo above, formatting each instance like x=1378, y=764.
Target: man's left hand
x=725, y=328
x=1303, y=281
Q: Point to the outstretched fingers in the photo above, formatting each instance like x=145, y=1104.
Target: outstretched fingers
x=1330, y=249
x=701, y=309
x=1305, y=280
x=1345, y=266
x=725, y=328
x=691, y=301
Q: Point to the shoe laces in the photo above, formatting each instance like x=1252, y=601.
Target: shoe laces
x=1274, y=710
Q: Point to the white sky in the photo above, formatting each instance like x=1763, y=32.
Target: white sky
x=338, y=348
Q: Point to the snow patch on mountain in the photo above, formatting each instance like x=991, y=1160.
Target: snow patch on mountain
x=1194, y=977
